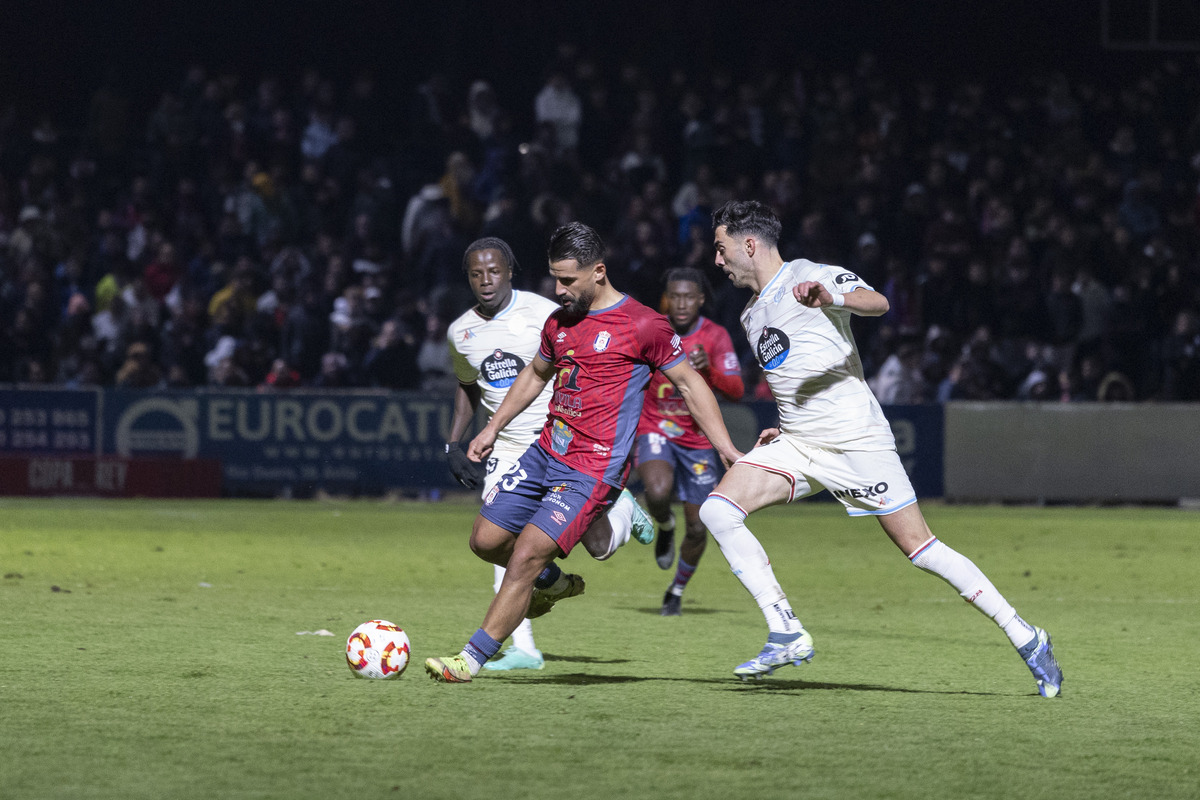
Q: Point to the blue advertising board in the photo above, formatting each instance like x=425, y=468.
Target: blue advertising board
x=362, y=442
x=61, y=421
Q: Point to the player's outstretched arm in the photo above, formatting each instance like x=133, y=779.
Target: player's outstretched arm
x=702, y=404
x=864, y=302
x=524, y=390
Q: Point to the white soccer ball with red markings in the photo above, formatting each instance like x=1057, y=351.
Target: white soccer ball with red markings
x=377, y=649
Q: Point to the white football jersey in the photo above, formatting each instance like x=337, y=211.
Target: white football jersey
x=490, y=353
x=812, y=363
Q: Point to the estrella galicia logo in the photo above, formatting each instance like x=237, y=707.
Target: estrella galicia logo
x=845, y=277
x=773, y=348
x=500, y=369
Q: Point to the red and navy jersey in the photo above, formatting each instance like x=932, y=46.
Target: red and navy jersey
x=602, y=364
x=666, y=413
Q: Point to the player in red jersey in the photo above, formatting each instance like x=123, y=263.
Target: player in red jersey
x=600, y=348
x=673, y=454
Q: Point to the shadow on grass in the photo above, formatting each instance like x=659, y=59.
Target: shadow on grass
x=585, y=659
x=688, y=611
x=772, y=685
x=730, y=684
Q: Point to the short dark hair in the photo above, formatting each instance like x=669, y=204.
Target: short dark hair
x=576, y=241
x=692, y=275
x=490, y=243
x=749, y=216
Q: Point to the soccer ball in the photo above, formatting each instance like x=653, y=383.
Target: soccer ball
x=377, y=649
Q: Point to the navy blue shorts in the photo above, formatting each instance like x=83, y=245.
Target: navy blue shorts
x=696, y=471
x=540, y=490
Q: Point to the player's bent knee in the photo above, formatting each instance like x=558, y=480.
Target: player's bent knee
x=489, y=540
x=602, y=554
x=598, y=542
x=658, y=491
x=719, y=515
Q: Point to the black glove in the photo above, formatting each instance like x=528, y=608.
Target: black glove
x=467, y=472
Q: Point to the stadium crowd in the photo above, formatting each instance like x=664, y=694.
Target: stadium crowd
x=1037, y=237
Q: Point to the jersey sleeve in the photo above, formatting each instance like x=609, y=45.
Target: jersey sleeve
x=841, y=281
x=661, y=346
x=463, y=370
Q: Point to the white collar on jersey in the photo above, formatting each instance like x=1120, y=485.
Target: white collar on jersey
x=512, y=303
x=762, y=292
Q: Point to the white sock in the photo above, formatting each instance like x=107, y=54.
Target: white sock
x=749, y=562
x=522, y=637
x=974, y=587
x=620, y=519
x=474, y=664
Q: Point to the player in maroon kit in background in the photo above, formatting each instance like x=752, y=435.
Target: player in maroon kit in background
x=673, y=455
x=600, y=348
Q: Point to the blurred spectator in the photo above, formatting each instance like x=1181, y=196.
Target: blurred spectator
x=1082, y=381
x=281, y=376
x=899, y=380
x=163, y=272
x=335, y=372
x=1116, y=388
x=557, y=106
x=237, y=301
x=433, y=358
x=305, y=334
x=1181, y=358
x=391, y=362
x=138, y=371
x=976, y=375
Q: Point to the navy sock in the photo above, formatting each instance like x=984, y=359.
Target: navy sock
x=481, y=647
x=548, y=577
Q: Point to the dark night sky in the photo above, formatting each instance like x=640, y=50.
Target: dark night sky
x=54, y=54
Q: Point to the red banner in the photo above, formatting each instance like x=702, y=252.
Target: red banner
x=110, y=476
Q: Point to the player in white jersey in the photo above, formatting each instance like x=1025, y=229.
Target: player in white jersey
x=832, y=435
x=489, y=345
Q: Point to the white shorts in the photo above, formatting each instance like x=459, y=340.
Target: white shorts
x=865, y=481
x=499, y=463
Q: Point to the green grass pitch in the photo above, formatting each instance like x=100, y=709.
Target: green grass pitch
x=150, y=650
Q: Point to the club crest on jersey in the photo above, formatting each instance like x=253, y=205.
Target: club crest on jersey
x=773, y=348
x=560, y=437
x=601, y=343
x=670, y=429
